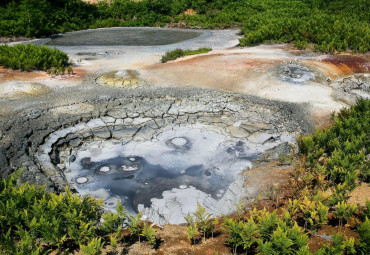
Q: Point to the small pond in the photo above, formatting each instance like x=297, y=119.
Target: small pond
x=180, y=167
x=123, y=36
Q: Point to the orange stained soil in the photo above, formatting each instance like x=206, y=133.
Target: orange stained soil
x=348, y=64
x=11, y=75
x=216, y=71
x=17, y=75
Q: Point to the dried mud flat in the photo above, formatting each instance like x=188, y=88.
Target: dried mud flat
x=123, y=116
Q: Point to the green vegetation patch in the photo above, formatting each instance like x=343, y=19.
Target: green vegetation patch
x=28, y=57
x=33, y=221
x=329, y=25
x=178, y=53
x=336, y=156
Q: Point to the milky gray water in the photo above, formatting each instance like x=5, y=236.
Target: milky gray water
x=122, y=36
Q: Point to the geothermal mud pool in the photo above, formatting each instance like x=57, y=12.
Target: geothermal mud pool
x=127, y=127
x=123, y=36
x=191, y=163
x=162, y=156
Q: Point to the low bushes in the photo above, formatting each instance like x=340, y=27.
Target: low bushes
x=335, y=158
x=329, y=25
x=28, y=57
x=200, y=222
x=33, y=221
x=178, y=53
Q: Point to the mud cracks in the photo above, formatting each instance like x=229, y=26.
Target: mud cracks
x=157, y=154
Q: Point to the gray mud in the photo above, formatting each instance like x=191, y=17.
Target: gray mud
x=44, y=139
x=157, y=150
x=122, y=36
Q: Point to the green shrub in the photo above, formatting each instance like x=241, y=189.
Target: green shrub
x=192, y=232
x=250, y=234
x=364, y=239
x=343, y=147
x=329, y=25
x=202, y=220
x=30, y=216
x=112, y=222
x=113, y=242
x=178, y=53
x=279, y=243
x=93, y=247
x=135, y=225
x=234, y=229
x=172, y=55
x=344, y=211
x=313, y=213
x=27, y=57
x=341, y=245
x=148, y=233
x=367, y=208
x=269, y=233
x=267, y=222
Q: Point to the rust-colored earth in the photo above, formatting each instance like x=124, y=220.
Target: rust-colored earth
x=17, y=75
x=348, y=64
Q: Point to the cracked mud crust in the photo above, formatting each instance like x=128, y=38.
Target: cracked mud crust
x=122, y=99
x=36, y=139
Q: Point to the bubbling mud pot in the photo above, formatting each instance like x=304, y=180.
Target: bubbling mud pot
x=156, y=154
x=189, y=163
x=129, y=128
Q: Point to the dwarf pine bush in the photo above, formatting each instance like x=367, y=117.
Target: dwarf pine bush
x=28, y=57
